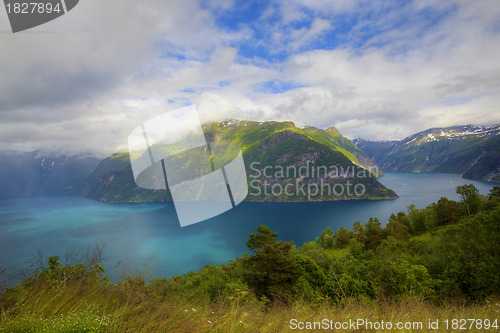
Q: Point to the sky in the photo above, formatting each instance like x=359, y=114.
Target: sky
x=376, y=70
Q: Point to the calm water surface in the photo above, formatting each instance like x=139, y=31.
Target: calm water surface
x=146, y=238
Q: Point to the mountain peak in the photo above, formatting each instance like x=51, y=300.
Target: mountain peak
x=452, y=133
x=332, y=130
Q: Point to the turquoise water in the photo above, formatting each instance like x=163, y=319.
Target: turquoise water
x=146, y=238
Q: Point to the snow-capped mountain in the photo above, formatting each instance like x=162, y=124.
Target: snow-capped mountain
x=473, y=151
x=453, y=133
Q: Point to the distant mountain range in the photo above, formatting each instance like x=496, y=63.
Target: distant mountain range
x=36, y=173
x=263, y=144
x=472, y=151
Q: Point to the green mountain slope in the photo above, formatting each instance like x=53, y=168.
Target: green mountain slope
x=473, y=151
x=113, y=181
x=277, y=155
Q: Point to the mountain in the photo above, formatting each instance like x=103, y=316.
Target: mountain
x=37, y=173
x=472, y=151
x=277, y=155
x=113, y=181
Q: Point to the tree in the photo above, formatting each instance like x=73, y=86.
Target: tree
x=359, y=232
x=418, y=219
x=373, y=234
x=397, y=230
x=342, y=237
x=326, y=239
x=470, y=198
x=401, y=218
x=448, y=211
x=262, y=240
x=493, y=199
x=494, y=192
x=272, y=271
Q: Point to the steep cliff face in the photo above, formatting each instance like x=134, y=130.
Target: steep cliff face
x=277, y=155
x=473, y=151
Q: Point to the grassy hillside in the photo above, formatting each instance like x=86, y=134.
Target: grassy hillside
x=250, y=134
x=271, y=146
x=438, y=263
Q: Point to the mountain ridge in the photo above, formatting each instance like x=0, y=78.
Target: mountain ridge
x=42, y=173
x=470, y=150
x=265, y=144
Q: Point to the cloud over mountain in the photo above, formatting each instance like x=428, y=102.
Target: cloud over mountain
x=375, y=69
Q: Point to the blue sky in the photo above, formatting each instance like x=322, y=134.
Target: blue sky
x=326, y=30
x=375, y=69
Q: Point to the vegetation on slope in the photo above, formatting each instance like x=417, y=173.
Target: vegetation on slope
x=266, y=145
x=440, y=262
x=113, y=181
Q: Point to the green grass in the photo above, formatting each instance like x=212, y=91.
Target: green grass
x=116, y=309
x=65, y=322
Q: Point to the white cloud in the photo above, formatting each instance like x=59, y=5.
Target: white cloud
x=86, y=83
x=301, y=37
x=325, y=7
